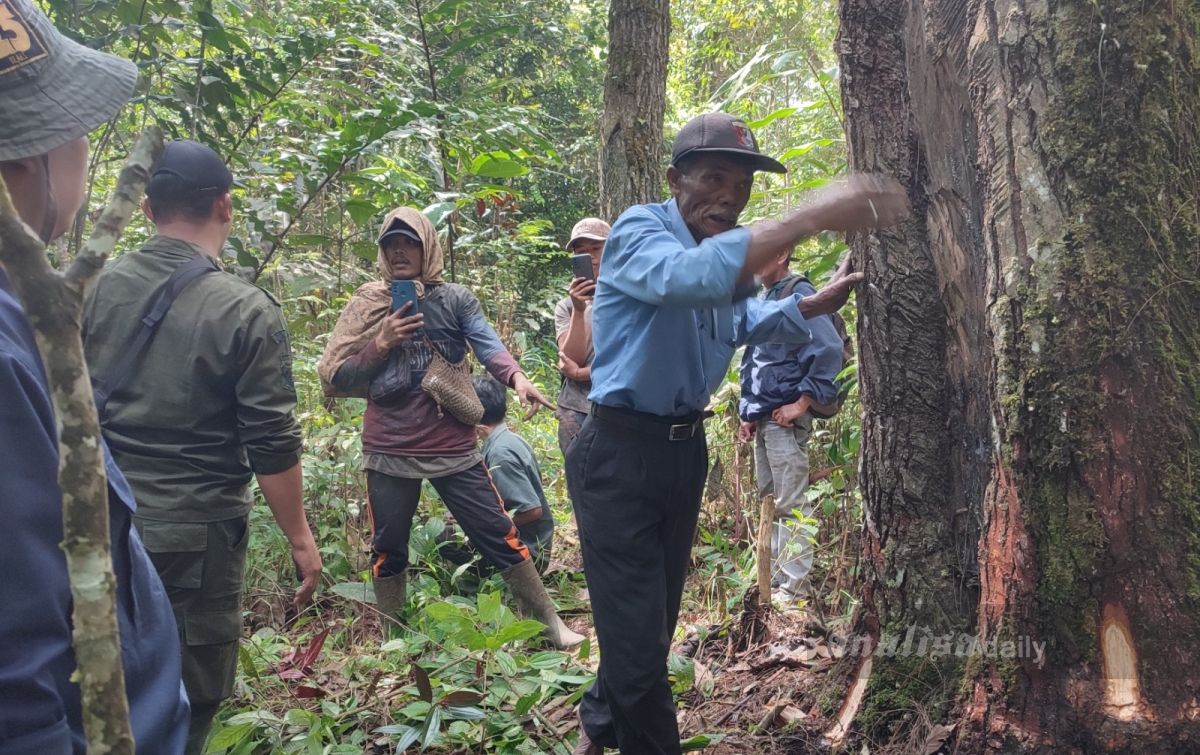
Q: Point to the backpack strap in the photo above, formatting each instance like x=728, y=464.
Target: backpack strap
x=790, y=288
x=182, y=277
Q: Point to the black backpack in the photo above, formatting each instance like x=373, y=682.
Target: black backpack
x=828, y=411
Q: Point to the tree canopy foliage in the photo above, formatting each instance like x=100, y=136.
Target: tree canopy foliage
x=484, y=114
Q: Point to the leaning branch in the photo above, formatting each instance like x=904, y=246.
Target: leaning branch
x=53, y=304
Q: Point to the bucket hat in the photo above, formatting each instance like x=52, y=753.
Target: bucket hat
x=53, y=90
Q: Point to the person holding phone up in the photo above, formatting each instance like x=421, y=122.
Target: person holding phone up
x=408, y=434
x=573, y=326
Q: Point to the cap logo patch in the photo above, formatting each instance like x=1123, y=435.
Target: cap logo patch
x=19, y=43
x=745, y=137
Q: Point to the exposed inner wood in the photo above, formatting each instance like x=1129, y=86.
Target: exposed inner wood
x=853, y=702
x=1122, y=696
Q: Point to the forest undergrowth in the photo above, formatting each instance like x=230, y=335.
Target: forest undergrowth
x=331, y=114
x=466, y=675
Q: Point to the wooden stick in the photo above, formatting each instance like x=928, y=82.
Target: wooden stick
x=53, y=304
x=766, y=519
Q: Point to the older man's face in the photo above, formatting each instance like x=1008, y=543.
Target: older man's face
x=712, y=194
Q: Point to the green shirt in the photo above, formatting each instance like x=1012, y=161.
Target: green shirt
x=209, y=402
x=514, y=470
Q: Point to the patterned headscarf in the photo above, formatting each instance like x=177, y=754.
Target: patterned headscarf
x=364, y=313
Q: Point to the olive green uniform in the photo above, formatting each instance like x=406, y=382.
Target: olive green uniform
x=208, y=405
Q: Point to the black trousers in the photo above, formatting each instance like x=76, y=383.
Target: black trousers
x=458, y=554
x=637, y=499
x=471, y=498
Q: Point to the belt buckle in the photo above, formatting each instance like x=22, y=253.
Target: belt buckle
x=685, y=432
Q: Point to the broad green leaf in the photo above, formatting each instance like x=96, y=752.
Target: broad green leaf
x=253, y=717
x=246, y=259
x=363, y=592
x=298, y=717
x=361, y=211
x=437, y=213
x=700, y=741
x=573, y=678
x=363, y=44
x=415, y=710
x=497, y=167
x=782, y=112
x=480, y=39
x=249, y=668
x=228, y=737
x=526, y=703
x=408, y=734
x=367, y=250
x=392, y=729
x=443, y=611
x=433, y=724
x=521, y=630
x=310, y=239
x=804, y=149
x=547, y=659
x=465, y=713
x=407, y=739
x=508, y=665
x=489, y=607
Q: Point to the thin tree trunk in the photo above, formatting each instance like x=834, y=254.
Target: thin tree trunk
x=635, y=96
x=53, y=303
x=1030, y=343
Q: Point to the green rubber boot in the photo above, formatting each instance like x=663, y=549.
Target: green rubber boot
x=527, y=588
x=391, y=594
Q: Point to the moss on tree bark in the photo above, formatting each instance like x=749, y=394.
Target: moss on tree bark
x=1038, y=325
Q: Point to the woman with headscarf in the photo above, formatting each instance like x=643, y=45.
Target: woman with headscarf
x=407, y=437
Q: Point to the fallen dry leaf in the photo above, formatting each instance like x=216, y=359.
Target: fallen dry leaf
x=937, y=737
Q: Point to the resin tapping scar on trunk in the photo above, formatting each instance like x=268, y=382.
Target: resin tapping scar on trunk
x=1122, y=696
x=854, y=699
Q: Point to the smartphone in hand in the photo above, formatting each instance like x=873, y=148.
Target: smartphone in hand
x=402, y=293
x=581, y=266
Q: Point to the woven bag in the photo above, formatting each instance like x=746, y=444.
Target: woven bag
x=449, y=383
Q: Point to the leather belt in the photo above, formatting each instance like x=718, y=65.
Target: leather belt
x=671, y=428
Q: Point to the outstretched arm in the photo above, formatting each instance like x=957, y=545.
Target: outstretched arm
x=284, y=493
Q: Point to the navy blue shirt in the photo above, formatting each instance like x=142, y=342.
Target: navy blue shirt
x=776, y=374
x=40, y=708
x=664, y=323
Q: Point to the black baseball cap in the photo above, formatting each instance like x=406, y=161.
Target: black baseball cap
x=186, y=169
x=722, y=132
x=400, y=228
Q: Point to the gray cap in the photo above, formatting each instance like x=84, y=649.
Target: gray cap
x=54, y=90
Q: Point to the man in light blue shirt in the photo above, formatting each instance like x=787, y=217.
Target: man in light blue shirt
x=672, y=305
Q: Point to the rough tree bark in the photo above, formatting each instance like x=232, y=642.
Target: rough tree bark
x=53, y=303
x=635, y=96
x=1030, y=345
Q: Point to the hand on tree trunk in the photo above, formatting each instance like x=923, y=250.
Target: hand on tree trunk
x=834, y=295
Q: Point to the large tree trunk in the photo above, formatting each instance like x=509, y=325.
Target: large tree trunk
x=1031, y=368
x=635, y=95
